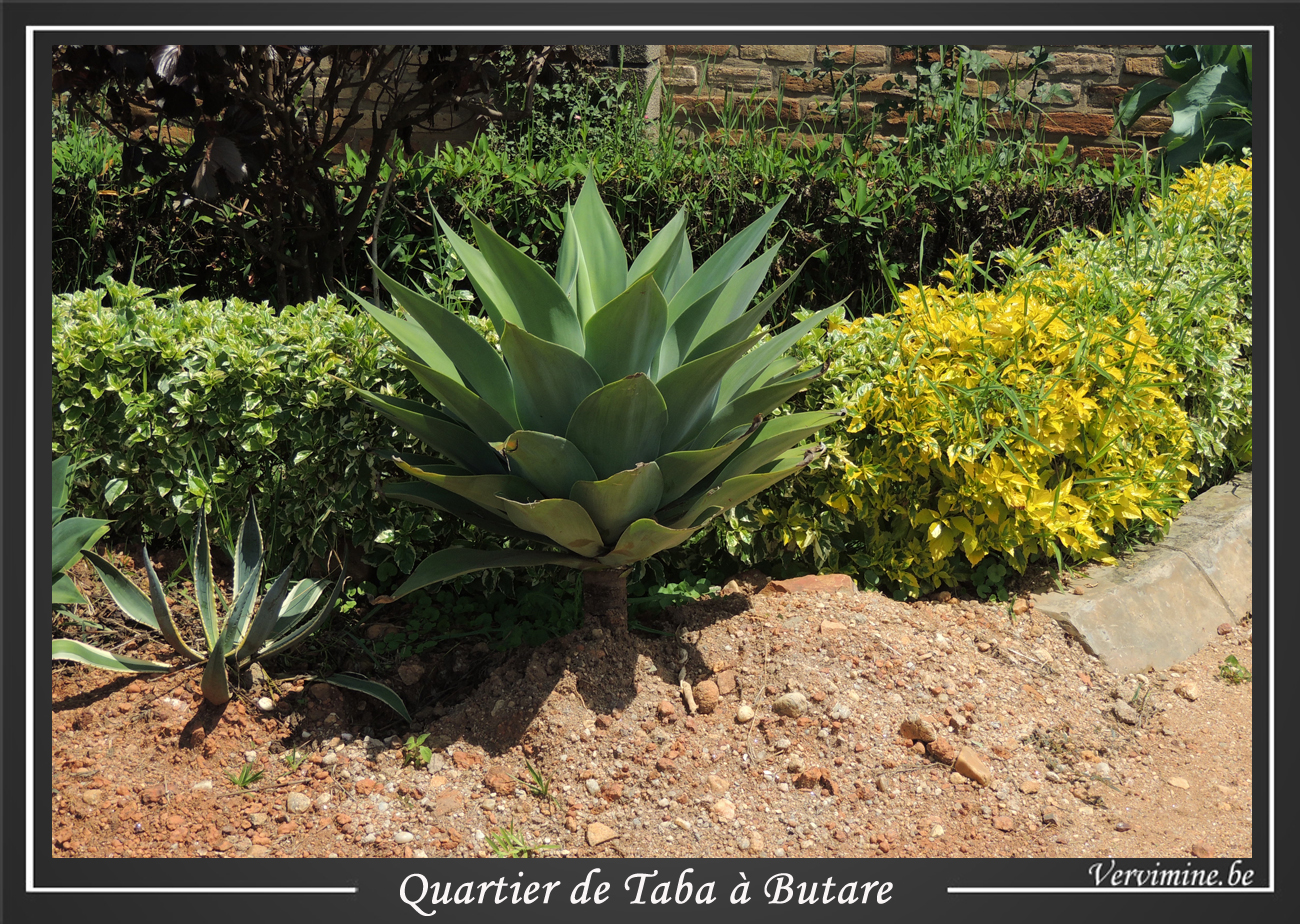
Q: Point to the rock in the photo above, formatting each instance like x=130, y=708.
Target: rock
x=1126, y=713
x=380, y=629
x=970, y=765
x=812, y=583
x=724, y=810
x=1003, y=823
x=840, y=712
x=689, y=697
x=717, y=783
x=665, y=709
x=731, y=587
x=706, y=696
x=795, y=764
x=1202, y=850
x=410, y=671
x=1225, y=628
x=831, y=627
x=1179, y=782
x=266, y=704
x=918, y=729
x=598, y=833
x=1020, y=607
x=1029, y=787
x=403, y=837
x=298, y=803
x=726, y=681
x=744, y=713
x=792, y=705
x=1123, y=826
x=1189, y=690
x=942, y=750
x=499, y=780
x=936, y=831
x=321, y=692
x=449, y=803
x=1042, y=654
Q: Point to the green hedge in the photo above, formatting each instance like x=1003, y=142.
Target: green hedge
x=205, y=401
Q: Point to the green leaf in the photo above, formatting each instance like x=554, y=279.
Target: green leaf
x=162, y=613
x=560, y=520
x=204, y=586
x=71, y=536
x=728, y=258
x=483, y=490
x=453, y=441
x=1140, y=100
x=496, y=300
x=480, y=366
x=301, y=598
x=615, y=502
x=566, y=267
x=370, y=688
x=550, y=380
x=260, y=626
x=736, y=490
x=543, y=307
x=248, y=553
x=602, y=258
x=745, y=408
x=736, y=294
x=774, y=437
x=684, y=469
x=623, y=337
x=64, y=593
x=430, y=495
x=662, y=253
x=214, y=684
x=66, y=649
x=412, y=338
x=641, y=540
x=283, y=641
x=450, y=563
x=744, y=325
x=619, y=425
x=479, y=415
x=691, y=391
x=59, y=482
x=748, y=371
x=551, y=463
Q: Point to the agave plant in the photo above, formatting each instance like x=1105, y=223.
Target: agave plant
x=249, y=629
x=624, y=409
x=70, y=537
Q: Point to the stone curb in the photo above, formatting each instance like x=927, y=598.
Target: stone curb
x=1163, y=603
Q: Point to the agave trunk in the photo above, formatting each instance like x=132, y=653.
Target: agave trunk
x=604, y=600
x=622, y=410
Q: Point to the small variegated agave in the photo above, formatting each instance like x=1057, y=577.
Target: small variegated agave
x=626, y=407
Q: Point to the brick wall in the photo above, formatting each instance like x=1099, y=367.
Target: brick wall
x=783, y=85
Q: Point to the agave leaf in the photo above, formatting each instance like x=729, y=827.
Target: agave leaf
x=560, y=520
x=453, y=441
x=450, y=563
x=258, y=629
x=550, y=462
x=479, y=365
x=430, y=495
x=162, y=613
x=550, y=380
x=71, y=536
x=204, y=585
x=684, y=469
x=478, y=414
x=59, y=484
x=734, y=491
x=619, y=425
x=126, y=595
x=662, y=253
x=691, y=391
x=773, y=438
x=283, y=640
x=736, y=294
x=241, y=611
x=543, y=308
x=370, y=688
x=641, y=540
x=248, y=554
x=728, y=258
x=615, y=502
x=66, y=649
x=744, y=325
x=747, y=370
x=64, y=593
x=481, y=489
x=602, y=258
x=566, y=266
x=496, y=300
x=215, y=685
x=623, y=336
x=753, y=403
x=411, y=337
x=301, y=598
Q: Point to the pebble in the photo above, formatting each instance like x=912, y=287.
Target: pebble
x=745, y=713
x=1188, y=690
x=298, y=803
x=1125, y=713
x=1179, y=782
x=724, y=809
x=706, y=696
x=840, y=712
x=265, y=704
x=403, y=837
x=593, y=787
x=791, y=704
x=969, y=764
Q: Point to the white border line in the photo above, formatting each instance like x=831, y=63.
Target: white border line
x=30, y=419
